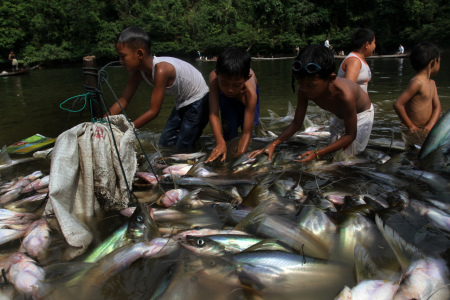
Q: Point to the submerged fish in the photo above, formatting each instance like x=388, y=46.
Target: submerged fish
x=6, y=161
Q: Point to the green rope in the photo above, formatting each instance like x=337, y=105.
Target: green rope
x=87, y=97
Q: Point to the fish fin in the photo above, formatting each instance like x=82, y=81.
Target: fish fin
x=259, y=192
x=307, y=122
x=273, y=115
x=405, y=252
x=291, y=110
x=4, y=157
x=254, y=218
x=151, y=224
x=270, y=245
x=366, y=269
x=185, y=201
x=261, y=129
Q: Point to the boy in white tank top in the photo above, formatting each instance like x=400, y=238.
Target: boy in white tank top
x=167, y=75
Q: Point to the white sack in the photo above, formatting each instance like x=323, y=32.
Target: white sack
x=85, y=176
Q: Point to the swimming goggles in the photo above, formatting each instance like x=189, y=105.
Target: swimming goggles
x=311, y=68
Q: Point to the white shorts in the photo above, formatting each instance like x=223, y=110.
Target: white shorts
x=364, y=128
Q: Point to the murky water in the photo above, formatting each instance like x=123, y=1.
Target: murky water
x=30, y=105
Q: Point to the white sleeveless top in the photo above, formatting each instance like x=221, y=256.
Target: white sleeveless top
x=189, y=85
x=364, y=74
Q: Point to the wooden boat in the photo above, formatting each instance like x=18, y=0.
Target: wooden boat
x=20, y=72
x=379, y=56
x=198, y=59
x=272, y=58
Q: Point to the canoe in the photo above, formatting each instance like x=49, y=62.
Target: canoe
x=198, y=59
x=379, y=56
x=20, y=72
x=272, y=58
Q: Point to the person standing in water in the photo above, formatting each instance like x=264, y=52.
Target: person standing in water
x=14, y=62
x=354, y=66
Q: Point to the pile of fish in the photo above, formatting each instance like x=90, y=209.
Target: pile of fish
x=376, y=226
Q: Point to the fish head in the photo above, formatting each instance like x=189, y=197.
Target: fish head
x=203, y=245
x=141, y=226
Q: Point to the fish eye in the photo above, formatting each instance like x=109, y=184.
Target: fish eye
x=211, y=263
x=200, y=243
x=139, y=219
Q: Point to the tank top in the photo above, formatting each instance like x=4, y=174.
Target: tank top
x=364, y=73
x=189, y=84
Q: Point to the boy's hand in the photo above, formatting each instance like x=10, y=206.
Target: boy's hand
x=269, y=150
x=307, y=156
x=221, y=149
x=413, y=128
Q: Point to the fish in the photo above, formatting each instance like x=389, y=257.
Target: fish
x=7, y=162
x=261, y=224
x=28, y=204
x=279, y=273
x=8, y=235
x=141, y=226
x=187, y=156
x=438, y=137
x=114, y=241
x=178, y=169
x=369, y=289
x=437, y=217
x=36, y=185
x=148, y=177
x=25, y=274
x=37, y=239
x=171, y=197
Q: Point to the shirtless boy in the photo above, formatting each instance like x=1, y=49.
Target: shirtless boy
x=314, y=69
x=418, y=107
x=167, y=75
x=233, y=89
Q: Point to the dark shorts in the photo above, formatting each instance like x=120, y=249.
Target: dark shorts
x=185, y=125
x=232, y=113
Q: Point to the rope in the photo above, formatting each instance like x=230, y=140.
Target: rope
x=90, y=97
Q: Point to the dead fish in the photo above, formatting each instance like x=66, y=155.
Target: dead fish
x=25, y=274
x=179, y=169
x=37, y=239
x=6, y=161
x=28, y=204
x=37, y=184
x=187, y=156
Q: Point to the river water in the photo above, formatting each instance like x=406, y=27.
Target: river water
x=31, y=104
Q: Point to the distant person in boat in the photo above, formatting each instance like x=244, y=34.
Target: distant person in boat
x=401, y=49
x=327, y=43
x=354, y=66
x=234, y=91
x=418, y=107
x=314, y=69
x=14, y=62
x=168, y=76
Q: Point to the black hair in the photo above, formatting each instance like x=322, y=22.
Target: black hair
x=361, y=36
x=234, y=62
x=317, y=54
x=422, y=54
x=135, y=37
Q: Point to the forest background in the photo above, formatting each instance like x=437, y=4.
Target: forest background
x=56, y=31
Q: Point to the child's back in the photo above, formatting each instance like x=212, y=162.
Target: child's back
x=418, y=107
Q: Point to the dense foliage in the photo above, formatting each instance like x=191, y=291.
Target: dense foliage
x=66, y=30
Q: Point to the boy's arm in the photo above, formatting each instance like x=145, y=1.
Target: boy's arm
x=214, y=120
x=249, y=118
x=399, y=105
x=296, y=124
x=350, y=122
x=162, y=74
x=132, y=85
x=436, y=109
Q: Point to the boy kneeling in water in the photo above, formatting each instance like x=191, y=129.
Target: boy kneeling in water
x=314, y=69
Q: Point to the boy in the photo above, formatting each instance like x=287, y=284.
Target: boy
x=418, y=107
x=167, y=75
x=233, y=88
x=314, y=68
